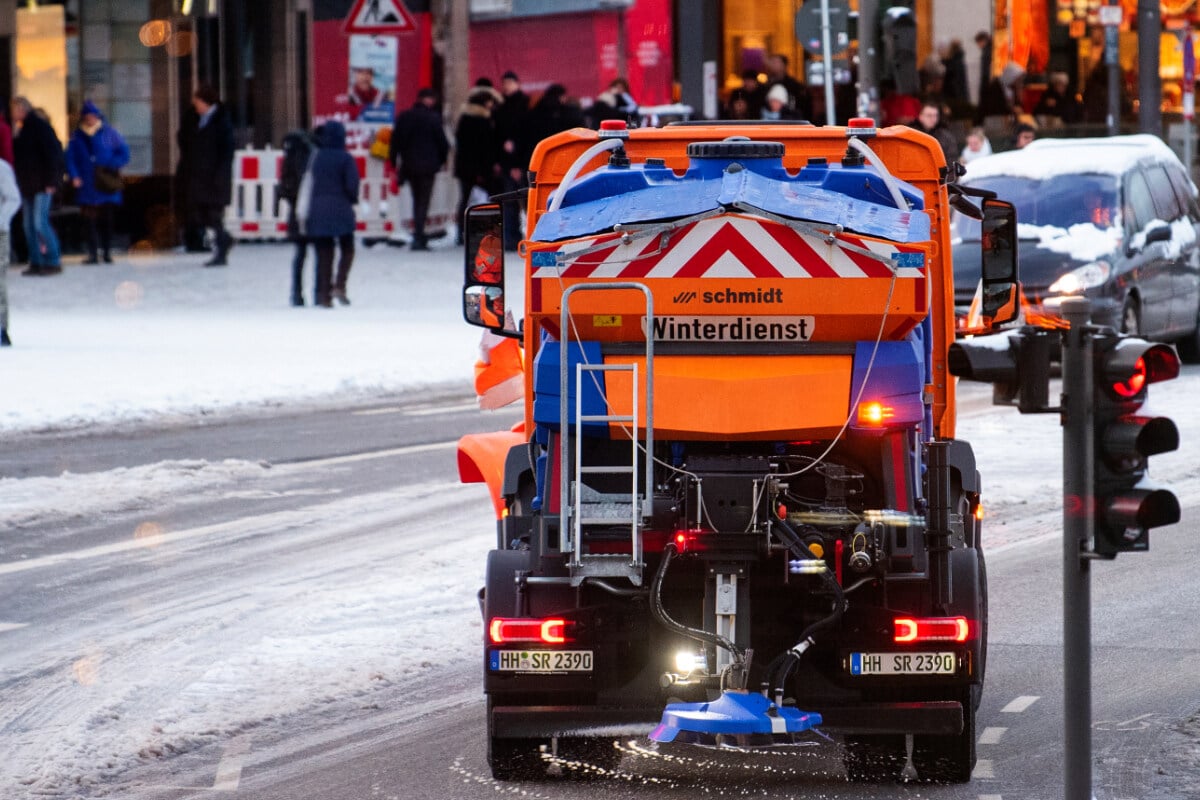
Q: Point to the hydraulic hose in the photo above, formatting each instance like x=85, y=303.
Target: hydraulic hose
x=889, y=180
x=781, y=666
x=581, y=162
x=660, y=613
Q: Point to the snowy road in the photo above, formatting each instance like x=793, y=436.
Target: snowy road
x=153, y=648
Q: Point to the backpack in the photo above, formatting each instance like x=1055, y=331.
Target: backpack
x=298, y=147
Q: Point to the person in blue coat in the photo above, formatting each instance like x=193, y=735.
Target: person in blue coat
x=94, y=145
x=325, y=210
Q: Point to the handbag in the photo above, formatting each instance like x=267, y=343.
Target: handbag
x=108, y=180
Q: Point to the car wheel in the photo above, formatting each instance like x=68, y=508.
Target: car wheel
x=1131, y=317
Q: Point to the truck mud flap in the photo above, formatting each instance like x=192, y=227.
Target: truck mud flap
x=936, y=718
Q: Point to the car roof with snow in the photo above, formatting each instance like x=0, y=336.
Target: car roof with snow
x=1048, y=158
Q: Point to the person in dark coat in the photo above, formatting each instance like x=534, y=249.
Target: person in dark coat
x=96, y=145
x=325, y=210
x=38, y=162
x=799, y=104
x=615, y=102
x=954, y=82
x=511, y=117
x=418, y=151
x=298, y=149
x=210, y=173
x=552, y=114
x=929, y=120
x=476, y=149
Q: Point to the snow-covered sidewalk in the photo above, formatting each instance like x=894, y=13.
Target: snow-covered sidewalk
x=158, y=335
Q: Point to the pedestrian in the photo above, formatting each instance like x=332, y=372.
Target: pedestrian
x=978, y=146
x=6, y=139
x=210, y=173
x=929, y=120
x=325, y=208
x=553, y=113
x=511, y=116
x=298, y=149
x=10, y=202
x=418, y=151
x=954, y=82
x=751, y=94
x=983, y=40
x=1023, y=135
x=95, y=154
x=38, y=160
x=615, y=102
x=476, y=151
x=799, y=104
x=1059, y=101
x=776, y=107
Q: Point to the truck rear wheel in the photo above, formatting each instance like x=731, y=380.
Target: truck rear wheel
x=874, y=758
x=948, y=759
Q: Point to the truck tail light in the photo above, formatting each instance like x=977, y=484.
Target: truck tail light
x=503, y=630
x=912, y=630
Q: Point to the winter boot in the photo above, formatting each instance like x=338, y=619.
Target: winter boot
x=4, y=340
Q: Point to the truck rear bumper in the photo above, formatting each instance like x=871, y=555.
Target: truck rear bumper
x=532, y=722
x=937, y=718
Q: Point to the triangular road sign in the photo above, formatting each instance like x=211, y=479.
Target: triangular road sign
x=380, y=16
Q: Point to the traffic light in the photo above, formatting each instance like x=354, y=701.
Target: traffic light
x=900, y=48
x=1016, y=364
x=1127, y=506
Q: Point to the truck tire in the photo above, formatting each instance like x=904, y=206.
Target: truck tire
x=514, y=759
x=509, y=759
x=874, y=759
x=951, y=759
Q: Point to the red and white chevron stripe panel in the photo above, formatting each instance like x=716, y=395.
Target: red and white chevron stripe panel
x=729, y=246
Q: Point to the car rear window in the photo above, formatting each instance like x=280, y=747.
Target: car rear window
x=1060, y=202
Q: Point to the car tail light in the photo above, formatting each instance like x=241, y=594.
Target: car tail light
x=912, y=630
x=503, y=630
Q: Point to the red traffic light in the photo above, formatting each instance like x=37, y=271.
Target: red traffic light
x=1134, y=363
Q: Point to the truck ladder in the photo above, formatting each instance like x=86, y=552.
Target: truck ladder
x=589, y=508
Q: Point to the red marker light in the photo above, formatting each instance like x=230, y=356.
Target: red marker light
x=909, y=630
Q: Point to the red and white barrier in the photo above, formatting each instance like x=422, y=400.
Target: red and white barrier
x=258, y=213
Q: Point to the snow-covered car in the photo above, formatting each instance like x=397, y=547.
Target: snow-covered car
x=1114, y=220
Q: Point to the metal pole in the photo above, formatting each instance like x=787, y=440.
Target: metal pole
x=1149, y=23
x=868, y=59
x=827, y=63
x=1078, y=510
x=1112, y=62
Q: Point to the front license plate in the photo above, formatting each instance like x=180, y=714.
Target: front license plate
x=541, y=661
x=903, y=663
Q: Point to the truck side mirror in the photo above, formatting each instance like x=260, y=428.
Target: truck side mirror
x=483, y=280
x=1001, y=290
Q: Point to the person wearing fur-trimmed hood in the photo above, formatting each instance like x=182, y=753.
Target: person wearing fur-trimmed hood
x=476, y=148
x=96, y=146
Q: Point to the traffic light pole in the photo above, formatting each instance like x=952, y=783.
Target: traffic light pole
x=1078, y=516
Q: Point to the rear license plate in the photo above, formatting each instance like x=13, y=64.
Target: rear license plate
x=541, y=661
x=903, y=663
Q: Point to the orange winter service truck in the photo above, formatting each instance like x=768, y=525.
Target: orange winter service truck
x=736, y=511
